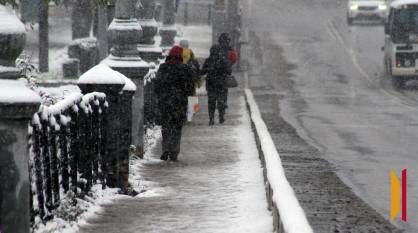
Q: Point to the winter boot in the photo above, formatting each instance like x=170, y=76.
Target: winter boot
x=211, y=118
x=164, y=156
x=221, y=119
x=211, y=121
x=173, y=156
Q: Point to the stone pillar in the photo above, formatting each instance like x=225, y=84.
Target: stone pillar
x=234, y=21
x=158, y=10
x=103, y=79
x=125, y=34
x=168, y=31
x=147, y=48
x=219, y=20
x=17, y=106
x=81, y=18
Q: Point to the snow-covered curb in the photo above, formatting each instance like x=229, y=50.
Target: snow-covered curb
x=291, y=214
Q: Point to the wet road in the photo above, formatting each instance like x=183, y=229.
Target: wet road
x=337, y=96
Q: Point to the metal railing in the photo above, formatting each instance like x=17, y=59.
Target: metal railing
x=67, y=150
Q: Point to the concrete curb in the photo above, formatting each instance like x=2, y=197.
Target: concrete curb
x=288, y=215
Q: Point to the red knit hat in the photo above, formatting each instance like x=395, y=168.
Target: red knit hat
x=175, y=55
x=176, y=51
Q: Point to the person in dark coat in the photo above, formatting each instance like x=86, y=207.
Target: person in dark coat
x=216, y=68
x=229, y=53
x=172, y=85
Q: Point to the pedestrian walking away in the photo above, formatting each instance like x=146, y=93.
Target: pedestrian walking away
x=190, y=60
x=216, y=68
x=228, y=53
x=173, y=84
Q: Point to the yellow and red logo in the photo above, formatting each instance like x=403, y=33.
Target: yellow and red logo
x=398, y=199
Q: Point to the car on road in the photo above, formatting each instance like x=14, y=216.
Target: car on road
x=401, y=41
x=375, y=10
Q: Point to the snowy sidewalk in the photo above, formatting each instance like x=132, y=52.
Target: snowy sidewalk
x=217, y=186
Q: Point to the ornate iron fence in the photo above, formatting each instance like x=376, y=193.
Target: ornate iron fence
x=67, y=150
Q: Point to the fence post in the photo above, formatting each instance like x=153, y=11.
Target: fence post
x=158, y=10
x=186, y=13
x=17, y=106
x=148, y=50
x=126, y=108
x=125, y=34
x=103, y=79
x=168, y=31
x=219, y=20
x=209, y=14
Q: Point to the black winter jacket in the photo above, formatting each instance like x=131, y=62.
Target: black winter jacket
x=172, y=85
x=217, y=68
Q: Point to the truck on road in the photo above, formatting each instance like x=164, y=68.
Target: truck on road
x=401, y=41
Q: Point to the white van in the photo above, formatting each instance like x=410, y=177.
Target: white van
x=401, y=41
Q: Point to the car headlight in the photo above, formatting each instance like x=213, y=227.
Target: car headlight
x=353, y=6
x=383, y=7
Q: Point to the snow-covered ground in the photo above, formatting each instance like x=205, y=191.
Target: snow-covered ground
x=217, y=186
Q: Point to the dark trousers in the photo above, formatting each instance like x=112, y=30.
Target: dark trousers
x=171, y=138
x=217, y=99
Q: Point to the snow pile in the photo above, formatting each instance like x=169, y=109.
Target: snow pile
x=72, y=101
x=252, y=202
x=61, y=106
x=101, y=74
x=125, y=62
x=16, y=91
x=151, y=137
x=152, y=72
x=9, y=23
x=125, y=25
x=68, y=218
x=148, y=23
x=86, y=43
x=291, y=213
x=129, y=85
x=59, y=92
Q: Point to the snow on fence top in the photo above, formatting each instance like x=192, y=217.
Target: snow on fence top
x=101, y=74
x=15, y=91
x=291, y=213
x=9, y=23
x=152, y=72
x=73, y=102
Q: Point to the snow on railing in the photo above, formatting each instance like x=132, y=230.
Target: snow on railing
x=289, y=216
x=152, y=72
x=150, y=100
x=67, y=150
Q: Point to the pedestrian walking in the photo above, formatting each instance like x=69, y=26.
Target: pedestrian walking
x=190, y=60
x=216, y=68
x=229, y=54
x=173, y=84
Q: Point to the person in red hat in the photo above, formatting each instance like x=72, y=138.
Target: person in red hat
x=172, y=85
